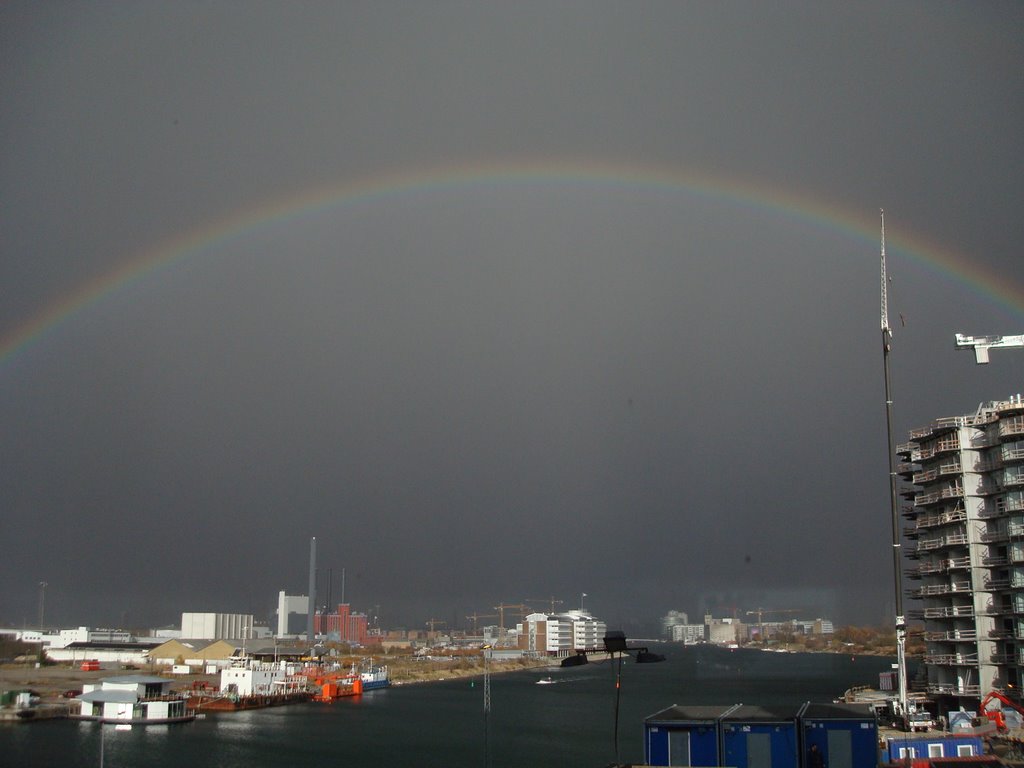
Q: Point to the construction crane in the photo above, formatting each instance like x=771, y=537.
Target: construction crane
x=501, y=611
x=760, y=612
x=549, y=600
x=433, y=623
x=476, y=616
x=982, y=344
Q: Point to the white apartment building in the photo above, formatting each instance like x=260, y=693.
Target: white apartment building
x=561, y=633
x=965, y=504
x=671, y=620
x=721, y=631
x=688, y=634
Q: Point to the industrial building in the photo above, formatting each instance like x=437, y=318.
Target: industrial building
x=343, y=626
x=965, y=504
x=292, y=614
x=214, y=626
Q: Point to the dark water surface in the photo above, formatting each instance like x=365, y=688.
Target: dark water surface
x=569, y=723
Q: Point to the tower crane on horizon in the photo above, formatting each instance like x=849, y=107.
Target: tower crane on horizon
x=500, y=608
x=476, y=616
x=433, y=623
x=760, y=612
x=982, y=344
x=550, y=600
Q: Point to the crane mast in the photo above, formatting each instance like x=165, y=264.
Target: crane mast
x=897, y=548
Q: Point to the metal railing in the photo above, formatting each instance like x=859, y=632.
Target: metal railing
x=951, y=689
x=952, y=659
x=952, y=636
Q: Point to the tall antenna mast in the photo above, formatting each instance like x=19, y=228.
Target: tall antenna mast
x=886, y=331
x=897, y=547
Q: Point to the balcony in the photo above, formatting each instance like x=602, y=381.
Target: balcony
x=953, y=540
x=935, y=496
x=949, y=612
x=957, y=587
x=1012, y=452
x=1013, y=477
x=990, y=510
x=1013, y=503
x=956, y=515
x=994, y=537
x=1012, y=426
x=998, y=610
x=953, y=636
x=951, y=689
x=949, y=564
x=952, y=659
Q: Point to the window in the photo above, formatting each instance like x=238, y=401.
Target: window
x=965, y=750
x=934, y=750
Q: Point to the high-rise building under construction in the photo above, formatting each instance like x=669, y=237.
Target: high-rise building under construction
x=965, y=504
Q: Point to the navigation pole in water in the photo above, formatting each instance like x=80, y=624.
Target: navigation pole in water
x=897, y=548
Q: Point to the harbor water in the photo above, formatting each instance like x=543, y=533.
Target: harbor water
x=570, y=721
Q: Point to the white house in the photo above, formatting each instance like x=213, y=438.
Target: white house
x=132, y=699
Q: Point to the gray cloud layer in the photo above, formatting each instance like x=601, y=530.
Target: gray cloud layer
x=490, y=392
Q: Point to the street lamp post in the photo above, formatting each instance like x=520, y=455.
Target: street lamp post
x=42, y=603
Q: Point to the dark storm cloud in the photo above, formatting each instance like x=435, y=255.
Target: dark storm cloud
x=486, y=393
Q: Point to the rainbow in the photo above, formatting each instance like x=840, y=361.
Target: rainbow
x=809, y=209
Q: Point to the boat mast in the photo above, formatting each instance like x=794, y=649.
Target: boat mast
x=897, y=547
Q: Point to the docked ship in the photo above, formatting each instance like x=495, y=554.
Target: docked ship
x=329, y=686
x=232, y=702
x=333, y=686
x=248, y=684
x=374, y=677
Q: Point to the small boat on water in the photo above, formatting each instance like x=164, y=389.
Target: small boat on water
x=374, y=677
x=357, y=680
x=546, y=681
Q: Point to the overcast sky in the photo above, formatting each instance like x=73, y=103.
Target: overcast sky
x=664, y=396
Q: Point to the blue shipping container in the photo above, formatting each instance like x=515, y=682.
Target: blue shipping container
x=685, y=736
x=846, y=735
x=760, y=737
